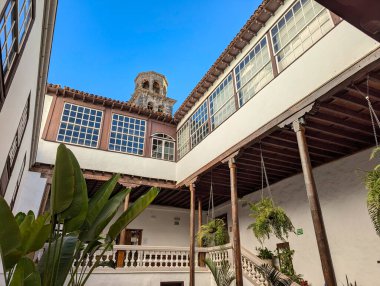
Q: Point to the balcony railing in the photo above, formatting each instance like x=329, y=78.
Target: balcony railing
x=137, y=258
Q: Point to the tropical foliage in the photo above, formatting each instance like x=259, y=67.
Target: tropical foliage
x=213, y=233
x=223, y=275
x=264, y=253
x=273, y=276
x=372, y=183
x=269, y=220
x=71, y=230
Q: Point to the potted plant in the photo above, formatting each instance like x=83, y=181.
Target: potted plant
x=265, y=255
x=269, y=220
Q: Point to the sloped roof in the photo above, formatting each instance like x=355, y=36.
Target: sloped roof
x=105, y=101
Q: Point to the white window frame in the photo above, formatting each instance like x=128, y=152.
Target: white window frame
x=139, y=136
x=306, y=25
x=75, y=124
x=163, y=139
x=263, y=66
x=227, y=101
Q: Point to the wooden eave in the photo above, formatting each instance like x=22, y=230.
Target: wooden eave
x=57, y=90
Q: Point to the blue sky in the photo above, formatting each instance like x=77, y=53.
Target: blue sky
x=100, y=48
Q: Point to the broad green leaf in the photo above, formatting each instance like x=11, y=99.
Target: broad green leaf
x=25, y=274
x=25, y=229
x=77, y=212
x=98, y=201
x=104, y=217
x=20, y=217
x=38, y=234
x=62, y=187
x=63, y=262
x=131, y=213
x=10, y=237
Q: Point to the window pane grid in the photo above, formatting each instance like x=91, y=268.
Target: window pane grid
x=198, y=125
x=256, y=59
x=127, y=134
x=222, y=102
x=24, y=17
x=304, y=24
x=7, y=37
x=183, y=140
x=255, y=84
x=80, y=125
x=162, y=149
x=253, y=72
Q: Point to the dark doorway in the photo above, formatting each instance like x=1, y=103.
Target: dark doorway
x=172, y=283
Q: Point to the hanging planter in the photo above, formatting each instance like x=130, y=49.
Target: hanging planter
x=269, y=220
x=213, y=233
x=372, y=183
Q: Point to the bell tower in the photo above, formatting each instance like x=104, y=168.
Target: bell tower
x=150, y=92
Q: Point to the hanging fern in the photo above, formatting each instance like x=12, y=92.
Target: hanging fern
x=213, y=233
x=269, y=219
x=372, y=183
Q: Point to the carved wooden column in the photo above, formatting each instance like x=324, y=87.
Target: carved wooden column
x=316, y=212
x=192, y=234
x=235, y=222
x=199, y=214
x=123, y=239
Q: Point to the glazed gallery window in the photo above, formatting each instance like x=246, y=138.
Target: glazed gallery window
x=183, y=140
x=199, y=125
x=253, y=72
x=162, y=147
x=14, y=24
x=80, y=125
x=222, y=102
x=127, y=134
x=304, y=24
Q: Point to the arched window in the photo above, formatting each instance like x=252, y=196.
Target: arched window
x=163, y=147
x=150, y=105
x=156, y=87
x=145, y=84
x=160, y=108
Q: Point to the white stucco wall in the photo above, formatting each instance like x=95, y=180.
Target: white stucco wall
x=157, y=223
x=95, y=159
x=23, y=83
x=334, y=53
x=355, y=248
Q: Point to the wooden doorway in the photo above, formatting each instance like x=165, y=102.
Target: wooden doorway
x=133, y=236
x=177, y=283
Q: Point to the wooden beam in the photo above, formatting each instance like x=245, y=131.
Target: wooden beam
x=316, y=212
x=127, y=180
x=235, y=223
